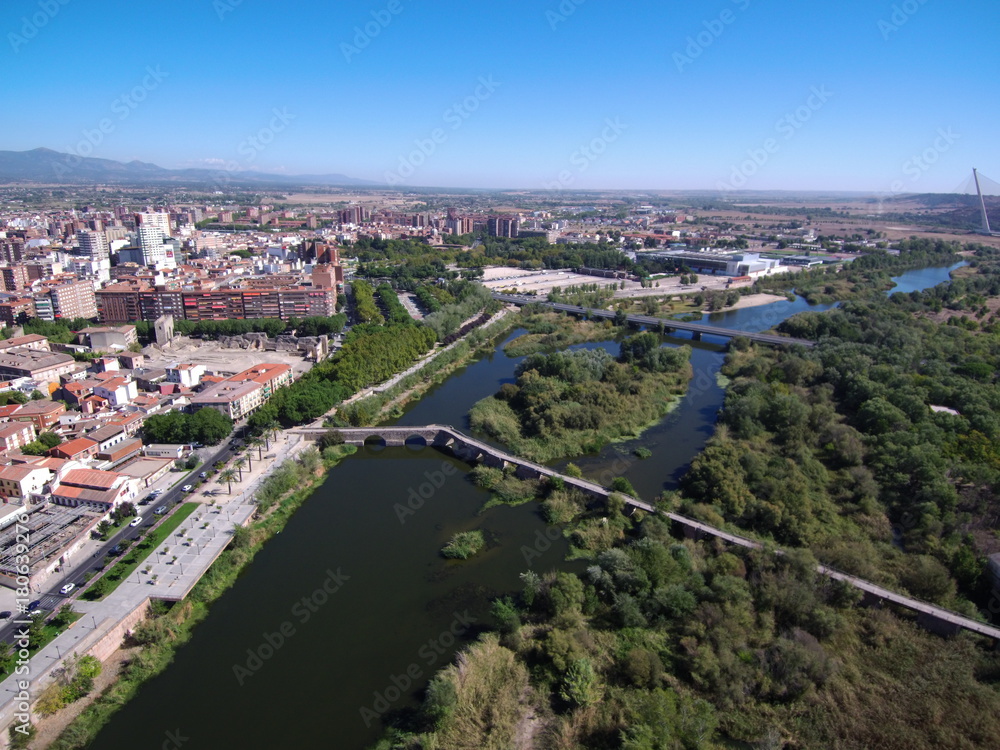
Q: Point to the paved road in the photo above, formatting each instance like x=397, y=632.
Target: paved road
x=51, y=599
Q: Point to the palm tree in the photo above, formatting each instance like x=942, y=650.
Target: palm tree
x=258, y=443
x=238, y=464
x=228, y=476
x=270, y=430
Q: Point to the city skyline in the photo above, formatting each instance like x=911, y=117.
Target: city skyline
x=724, y=96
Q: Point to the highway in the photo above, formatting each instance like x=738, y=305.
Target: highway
x=698, y=329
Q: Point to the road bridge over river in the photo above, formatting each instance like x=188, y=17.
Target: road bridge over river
x=696, y=329
x=471, y=450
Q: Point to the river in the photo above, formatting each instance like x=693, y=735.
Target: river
x=269, y=670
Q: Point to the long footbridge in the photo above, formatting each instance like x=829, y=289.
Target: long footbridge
x=474, y=451
x=697, y=330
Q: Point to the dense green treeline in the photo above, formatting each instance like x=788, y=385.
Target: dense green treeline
x=567, y=403
x=273, y=327
x=434, y=297
x=206, y=426
x=393, y=307
x=370, y=355
x=365, y=309
x=838, y=448
x=669, y=644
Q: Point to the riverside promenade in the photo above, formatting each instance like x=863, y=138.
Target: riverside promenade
x=104, y=624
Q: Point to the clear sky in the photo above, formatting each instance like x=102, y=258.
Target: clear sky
x=704, y=94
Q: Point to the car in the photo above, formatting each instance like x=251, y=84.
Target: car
x=203, y=475
x=187, y=488
x=67, y=588
x=32, y=606
x=6, y=614
x=136, y=521
x=197, y=445
x=156, y=493
x=161, y=510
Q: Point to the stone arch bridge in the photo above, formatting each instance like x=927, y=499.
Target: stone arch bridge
x=474, y=451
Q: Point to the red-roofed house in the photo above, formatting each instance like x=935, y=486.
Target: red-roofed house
x=75, y=450
x=117, y=391
x=103, y=490
x=92, y=404
x=43, y=413
x=8, y=411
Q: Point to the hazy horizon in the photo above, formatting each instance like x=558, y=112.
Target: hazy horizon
x=883, y=98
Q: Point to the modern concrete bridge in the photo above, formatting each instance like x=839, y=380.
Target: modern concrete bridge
x=471, y=450
x=697, y=329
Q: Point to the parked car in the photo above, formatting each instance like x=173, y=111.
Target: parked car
x=67, y=588
x=203, y=475
x=136, y=521
x=161, y=510
x=32, y=606
x=187, y=488
x=6, y=614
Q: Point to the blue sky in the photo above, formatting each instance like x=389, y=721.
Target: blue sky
x=706, y=94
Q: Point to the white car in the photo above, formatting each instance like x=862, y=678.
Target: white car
x=136, y=521
x=187, y=488
x=67, y=588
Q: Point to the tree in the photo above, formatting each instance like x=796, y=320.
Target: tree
x=238, y=464
x=12, y=397
x=37, y=396
x=210, y=426
x=621, y=318
x=580, y=685
x=258, y=443
x=49, y=439
x=228, y=476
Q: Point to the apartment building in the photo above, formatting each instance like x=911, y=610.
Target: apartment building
x=235, y=400
x=15, y=435
x=271, y=377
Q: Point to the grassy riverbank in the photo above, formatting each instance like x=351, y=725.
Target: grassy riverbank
x=566, y=404
x=170, y=627
x=550, y=331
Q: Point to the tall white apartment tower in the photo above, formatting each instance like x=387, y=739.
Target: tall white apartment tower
x=94, y=244
x=160, y=221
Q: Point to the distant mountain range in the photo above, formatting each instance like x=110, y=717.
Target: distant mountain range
x=43, y=165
